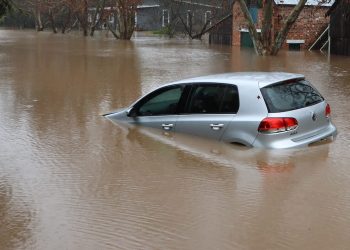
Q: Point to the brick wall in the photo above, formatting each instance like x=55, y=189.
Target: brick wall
x=310, y=23
x=237, y=23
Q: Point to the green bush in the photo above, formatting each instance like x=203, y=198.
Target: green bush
x=167, y=30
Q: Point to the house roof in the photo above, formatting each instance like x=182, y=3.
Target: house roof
x=324, y=3
x=199, y=3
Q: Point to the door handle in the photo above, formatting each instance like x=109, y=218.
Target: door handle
x=167, y=126
x=216, y=126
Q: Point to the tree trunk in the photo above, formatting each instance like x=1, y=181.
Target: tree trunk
x=100, y=8
x=264, y=44
x=38, y=22
x=52, y=21
x=188, y=29
x=206, y=29
x=266, y=36
x=85, y=16
x=75, y=23
x=67, y=21
x=113, y=31
x=93, y=22
x=258, y=46
x=126, y=21
x=202, y=32
x=287, y=24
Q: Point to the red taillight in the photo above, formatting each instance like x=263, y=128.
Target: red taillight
x=328, y=111
x=277, y=124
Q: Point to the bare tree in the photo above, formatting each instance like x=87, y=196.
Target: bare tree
x=5, y=6
x=66, y=20
x=98, y=15
x=53, y=8
x=34, y=8
x=42, y=11
x=124, y=12
x=80, y=9
x=195, y=18
x=264, y=43
x=88, y=13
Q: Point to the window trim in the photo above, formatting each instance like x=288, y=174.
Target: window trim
x=165, y=17
x=207, y=16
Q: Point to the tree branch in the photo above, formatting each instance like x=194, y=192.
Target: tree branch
x=113, y=31
x=251, y=27
x=287, y=24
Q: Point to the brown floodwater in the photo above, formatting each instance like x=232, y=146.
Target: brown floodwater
x=70, y=179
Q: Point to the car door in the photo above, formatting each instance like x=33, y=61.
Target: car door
x=159, y=108
x=210, y=109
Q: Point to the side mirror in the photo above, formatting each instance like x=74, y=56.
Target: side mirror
x=131, y=112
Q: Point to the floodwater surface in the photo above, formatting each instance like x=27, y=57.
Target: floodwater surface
x=71, y=179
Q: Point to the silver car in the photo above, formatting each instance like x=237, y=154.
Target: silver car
x=256, y=109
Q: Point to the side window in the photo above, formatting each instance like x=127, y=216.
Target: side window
x=213, y=99
x=230, y=102
x=206, y=99
x=162, y=102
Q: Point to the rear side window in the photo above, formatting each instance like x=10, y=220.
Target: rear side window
x=290, y=95
x=213, y=99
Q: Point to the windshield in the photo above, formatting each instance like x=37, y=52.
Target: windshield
x=290, y=95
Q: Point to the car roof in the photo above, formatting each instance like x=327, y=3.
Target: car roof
x=240, y=78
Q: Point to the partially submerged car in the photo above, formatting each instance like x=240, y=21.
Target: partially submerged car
x=258, y=109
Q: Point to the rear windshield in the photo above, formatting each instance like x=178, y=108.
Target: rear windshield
x=290, y=95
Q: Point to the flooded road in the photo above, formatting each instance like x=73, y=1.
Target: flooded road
x=70, y=179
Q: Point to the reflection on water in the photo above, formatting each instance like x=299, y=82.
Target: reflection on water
x=70, y=179
x=15, y=218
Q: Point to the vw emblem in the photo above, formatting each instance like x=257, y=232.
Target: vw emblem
x=314, y=116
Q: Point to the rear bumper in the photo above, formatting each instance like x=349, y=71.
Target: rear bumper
x=276, y=141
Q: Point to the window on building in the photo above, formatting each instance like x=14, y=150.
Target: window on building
x=295, y=44
x=207, y=17
x=189, y=17
x=165, y=18
x=254, y=13
x=111, y=18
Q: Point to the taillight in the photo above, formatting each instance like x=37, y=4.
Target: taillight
x=328, y=111
x=277, y=124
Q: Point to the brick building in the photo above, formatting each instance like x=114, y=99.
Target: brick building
x=309, y=25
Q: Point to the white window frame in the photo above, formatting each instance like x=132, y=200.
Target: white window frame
x=188, y=17
x=206, y=14
x=164, y=16
x=111, y=18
